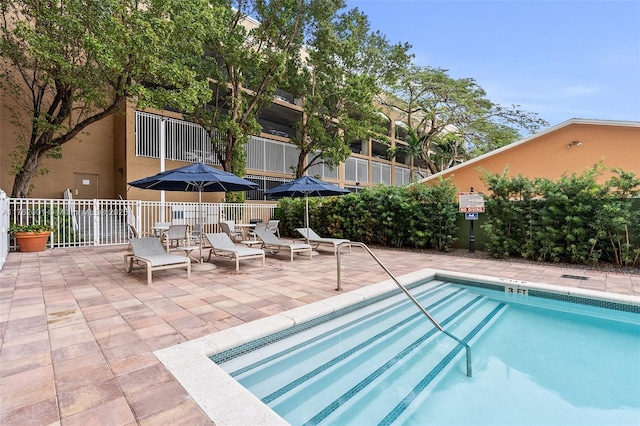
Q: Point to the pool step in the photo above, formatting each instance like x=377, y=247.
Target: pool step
x=375, y=349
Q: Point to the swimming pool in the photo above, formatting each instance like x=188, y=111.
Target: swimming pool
x=520, y=375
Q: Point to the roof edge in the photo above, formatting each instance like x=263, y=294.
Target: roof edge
x=533, y=136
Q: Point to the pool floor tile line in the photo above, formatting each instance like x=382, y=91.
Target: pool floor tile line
x=38, y=291
x=424, y=383
x=379, y=372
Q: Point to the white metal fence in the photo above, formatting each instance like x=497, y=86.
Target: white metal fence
x=79, y=223
x=4, y=227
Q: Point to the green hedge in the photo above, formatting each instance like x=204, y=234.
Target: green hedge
x=573, y=219
x=418, y=216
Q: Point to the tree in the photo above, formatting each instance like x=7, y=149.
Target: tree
x=344, y=69
x=69, y=64
x=412, y=150
x=246, y=62
x=454, y=116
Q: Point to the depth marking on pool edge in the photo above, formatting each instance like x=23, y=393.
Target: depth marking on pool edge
x=516, y=290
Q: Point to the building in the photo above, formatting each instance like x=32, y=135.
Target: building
x=125, y=147
x=572, y=146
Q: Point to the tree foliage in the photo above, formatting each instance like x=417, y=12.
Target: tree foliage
x=573, y=219
x=246, y=62
x=417, y=216
x=452, y=119
x=343, y=69
x=69, y=64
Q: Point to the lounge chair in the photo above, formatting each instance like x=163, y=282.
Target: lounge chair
x=272, y=226
x=229, y=228
x=196, y=232
x=221, y=245
x=273, y=244
x=176, y=233
x=309, y=234
x=150, y=252
x=252, y=233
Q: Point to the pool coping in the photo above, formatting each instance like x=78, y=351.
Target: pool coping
x=226, y=402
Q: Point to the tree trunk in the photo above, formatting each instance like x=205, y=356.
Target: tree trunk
x=22, y=182
x=300, y=169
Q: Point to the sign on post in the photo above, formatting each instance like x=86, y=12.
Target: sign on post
x=471, y=216
x=471, y=202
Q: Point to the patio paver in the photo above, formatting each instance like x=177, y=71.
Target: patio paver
x=78, y=333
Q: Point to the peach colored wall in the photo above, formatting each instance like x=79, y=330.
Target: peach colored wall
x=91, y=152
x=549, y=156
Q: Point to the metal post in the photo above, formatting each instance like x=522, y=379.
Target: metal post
x=163, y=155
x=472, y=238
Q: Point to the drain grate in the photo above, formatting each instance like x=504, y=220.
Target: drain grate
x=575, y=277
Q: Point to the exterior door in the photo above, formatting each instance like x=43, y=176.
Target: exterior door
x=86, y=186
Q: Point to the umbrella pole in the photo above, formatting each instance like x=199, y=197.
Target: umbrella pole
x=306, y=220
x=306, y=217
x=201, y=266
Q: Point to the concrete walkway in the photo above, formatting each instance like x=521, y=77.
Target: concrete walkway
x=78, y=333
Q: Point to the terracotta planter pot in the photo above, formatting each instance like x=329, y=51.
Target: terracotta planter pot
x=32, y=241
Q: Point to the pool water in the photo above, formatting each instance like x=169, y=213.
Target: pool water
x=535, y=362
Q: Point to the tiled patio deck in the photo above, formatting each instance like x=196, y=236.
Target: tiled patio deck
x=78, y=333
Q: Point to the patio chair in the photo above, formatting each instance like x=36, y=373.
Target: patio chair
x=272, y=226
x=176, y=233
x=229, y=228
x=221, y=245
x=273, y=244
x=196, y=232
x=252, y=233
x=310, y=234
x=150, y=252
x=134, y=233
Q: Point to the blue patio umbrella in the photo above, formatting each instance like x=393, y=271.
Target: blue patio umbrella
x=198, y=178
x=195, y=177
x=306, y=186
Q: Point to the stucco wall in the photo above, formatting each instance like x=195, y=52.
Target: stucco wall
x=91, y=152
x=549, y=155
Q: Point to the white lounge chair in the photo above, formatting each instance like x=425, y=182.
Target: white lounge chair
x=229, y=228
x=272, y=226
x=273, y=244
x=221, y=245
x=177, y=234
x=310, y=234
x=196, y=232
x=150, y=252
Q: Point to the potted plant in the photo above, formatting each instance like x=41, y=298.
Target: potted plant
x=32, y=237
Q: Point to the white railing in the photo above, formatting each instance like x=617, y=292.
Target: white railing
x=80, y=223
x=4, y=227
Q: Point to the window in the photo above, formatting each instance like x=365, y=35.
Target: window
x=271, y=156
x=184, y=141
x=356, y=169
x=380, y=173
x=403, y=176
x=323, y=171
x=379, y=150
x=359, y=147
x=264, y=183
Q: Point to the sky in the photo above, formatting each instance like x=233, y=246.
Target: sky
x=560, y=59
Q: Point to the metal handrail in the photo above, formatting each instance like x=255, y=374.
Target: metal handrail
x=406, y=292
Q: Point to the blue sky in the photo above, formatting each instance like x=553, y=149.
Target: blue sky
x=560, y=59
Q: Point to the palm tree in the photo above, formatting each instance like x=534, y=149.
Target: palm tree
x=413, y=150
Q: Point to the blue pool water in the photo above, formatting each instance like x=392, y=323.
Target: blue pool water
x=535, y=361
